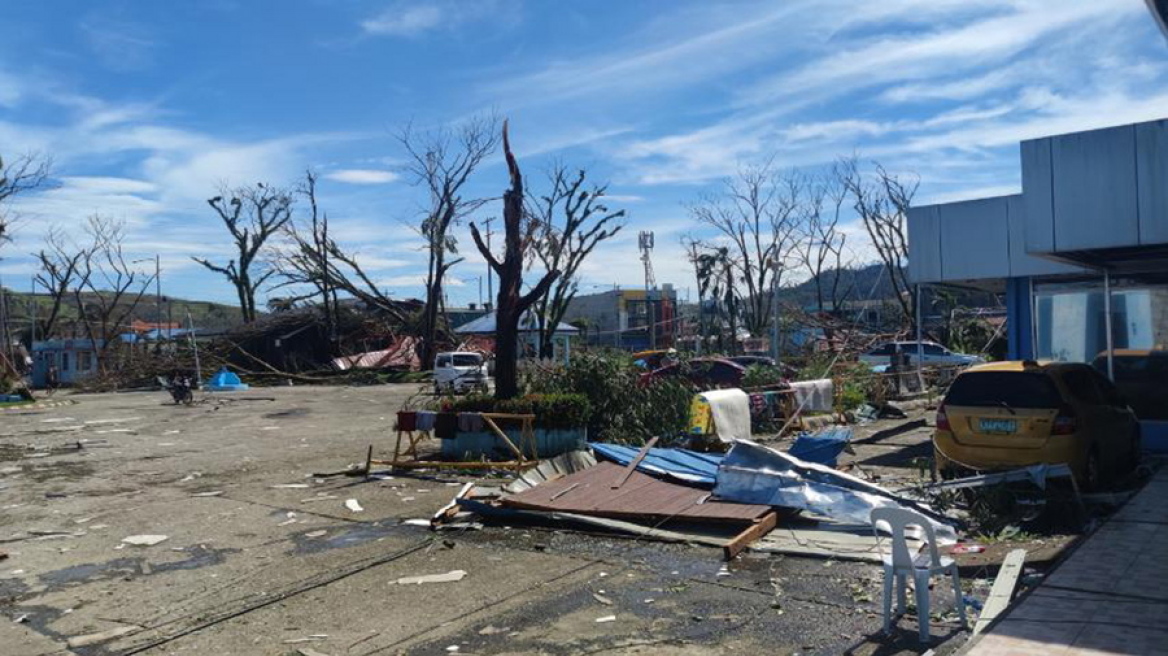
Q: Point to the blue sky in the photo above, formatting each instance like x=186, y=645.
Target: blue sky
x=148, y=107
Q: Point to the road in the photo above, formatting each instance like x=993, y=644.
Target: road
x=260, y=557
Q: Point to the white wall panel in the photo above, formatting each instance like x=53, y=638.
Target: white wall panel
x=924, y=244
x=1094, y=189
x=975, y=239
x=1037, y=197
x=1152, y=181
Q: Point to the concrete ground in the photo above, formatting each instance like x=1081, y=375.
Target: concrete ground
x=260, y=557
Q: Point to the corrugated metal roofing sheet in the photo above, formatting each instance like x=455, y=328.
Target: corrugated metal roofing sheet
x=690, y=467
x=641, y=496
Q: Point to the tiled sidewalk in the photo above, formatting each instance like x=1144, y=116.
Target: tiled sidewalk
x=1110, y=597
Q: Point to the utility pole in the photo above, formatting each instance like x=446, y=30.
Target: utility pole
x=490, y=280
x=775, y=302
x=645, y=243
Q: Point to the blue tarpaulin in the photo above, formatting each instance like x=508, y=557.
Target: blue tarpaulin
x=683, y=465
x=823, y=447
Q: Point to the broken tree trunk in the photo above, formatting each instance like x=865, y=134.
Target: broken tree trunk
x=510, y=303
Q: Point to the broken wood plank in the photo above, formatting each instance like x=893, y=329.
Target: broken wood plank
x=754, y=532
x=1003, y=589
x=632, y=466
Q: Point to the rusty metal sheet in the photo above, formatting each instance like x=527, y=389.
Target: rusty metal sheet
x=591, y=492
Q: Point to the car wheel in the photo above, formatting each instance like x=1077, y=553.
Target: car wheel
x=1093, y=472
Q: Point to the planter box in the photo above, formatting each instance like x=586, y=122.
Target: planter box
x=476, y=445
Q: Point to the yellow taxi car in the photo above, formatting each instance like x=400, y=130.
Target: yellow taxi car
x=1006, y=415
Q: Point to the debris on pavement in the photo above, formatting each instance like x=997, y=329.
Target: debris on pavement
x=452, y=576
x=752, y=473
x=606, y=618
x=97, y=638
x=145, y=540
x=353, y=505
x=1003, y=590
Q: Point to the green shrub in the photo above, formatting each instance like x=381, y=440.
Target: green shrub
x=759, y=376
x=552, y=411
x=621, y=408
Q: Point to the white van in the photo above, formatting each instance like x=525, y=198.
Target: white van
x=459, y=372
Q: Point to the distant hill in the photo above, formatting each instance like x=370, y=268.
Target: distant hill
x=206, y=316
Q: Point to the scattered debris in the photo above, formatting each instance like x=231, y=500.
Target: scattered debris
x=145, y=540
x=316, y=637
x=309, y=651
x=208, y=494
x=103, y=636
x=291, y=486
x=315, y=534
x=491, y=629
x=449, y=577
x=602, y=599
x=605, y=619
x=1003, y=590
x=752, y=473
x=353, y=505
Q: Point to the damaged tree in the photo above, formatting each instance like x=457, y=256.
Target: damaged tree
x=756, y=213
x=316, y=261
x=108, y=290
x=510, y=303
x=18, y=176
x=58, y=272
x=882, y=205
x=572, y=221
x=443, y=163
x=252, y=216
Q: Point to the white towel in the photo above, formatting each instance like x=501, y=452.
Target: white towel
x=814, y=395
x=730, y=409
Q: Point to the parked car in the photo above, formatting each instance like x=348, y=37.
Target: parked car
x=763, y=361
x=655, y=359
x=459, y=372
x=702, y=373
x=933, y=354
x=1007, y=415
x=1142, y=377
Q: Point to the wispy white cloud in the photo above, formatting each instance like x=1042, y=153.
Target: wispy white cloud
x=411, y=18
x=121, y=45
x=362, y=176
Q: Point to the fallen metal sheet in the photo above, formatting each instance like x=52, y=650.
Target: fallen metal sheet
x=551, y=469
x=853, y=542
x=752, y=473
x=591, y=492
x=682, y=465
x=1036, y=474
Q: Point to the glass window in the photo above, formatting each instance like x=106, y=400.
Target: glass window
x=933, y=349
x=1081, y=384
x=442, y=361
x=1017, y=389
x=886, y=349
x=84, y=361
x=64, y=361
x=466, y=360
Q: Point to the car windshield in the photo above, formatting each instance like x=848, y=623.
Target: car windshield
x=467, y=361
x=1017, y=389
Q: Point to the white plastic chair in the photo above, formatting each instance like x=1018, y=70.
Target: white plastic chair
x=900, y=564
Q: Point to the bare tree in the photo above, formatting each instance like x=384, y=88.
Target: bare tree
x=18, y=176
x=108, y=289
x=252, y=215
x=572, y=219
x=820, y=245
x=59, y=264
x=442, y=162
x=756, y=214
x=882, y=204
x=314, y=260
x=511, y=303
